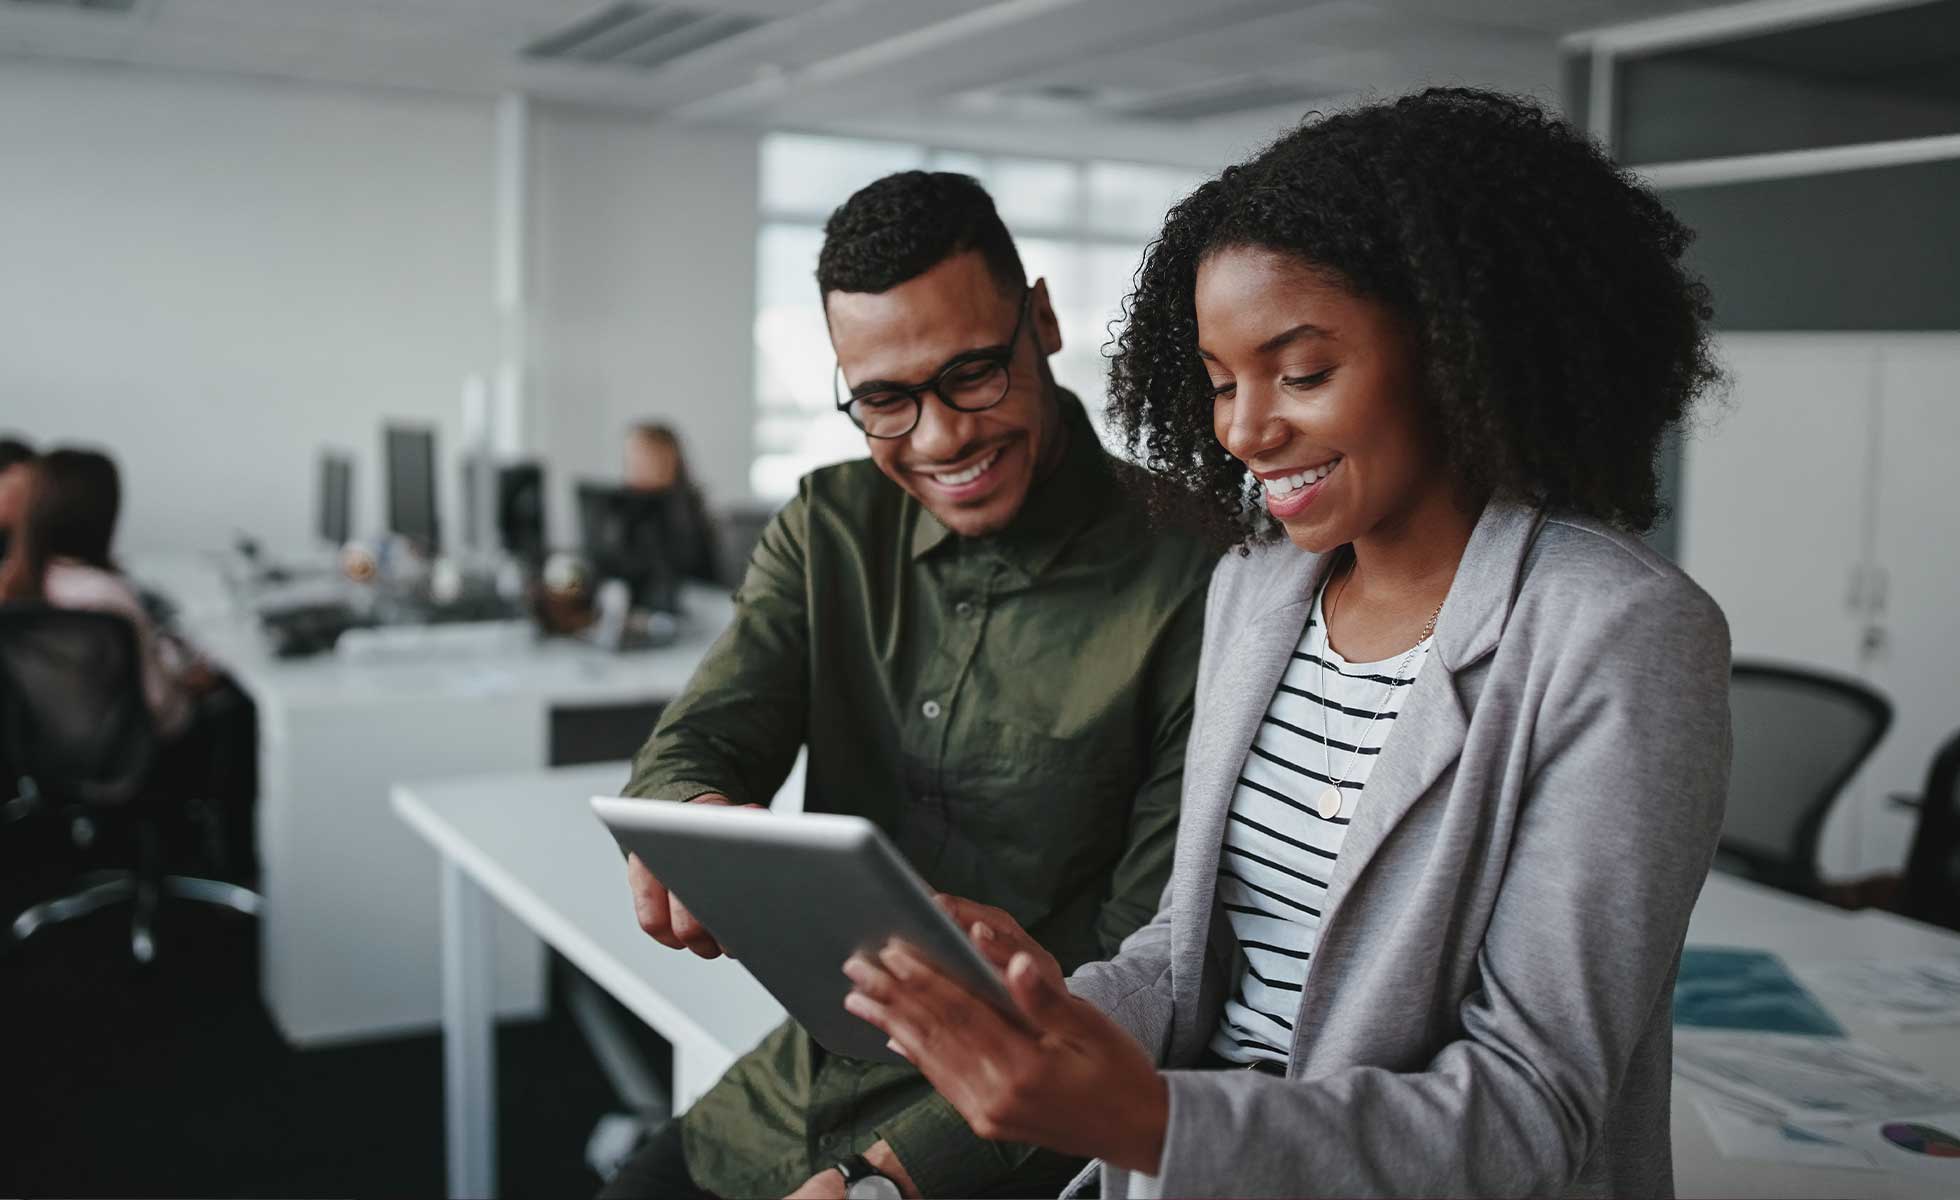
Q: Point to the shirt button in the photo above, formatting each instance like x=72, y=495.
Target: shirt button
x=964, y=608
x=931, y=709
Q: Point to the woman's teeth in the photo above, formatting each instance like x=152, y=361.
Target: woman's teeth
x=962, y=478
x=1287, y=485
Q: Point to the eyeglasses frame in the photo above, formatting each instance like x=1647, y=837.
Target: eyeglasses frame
x=1001, y=355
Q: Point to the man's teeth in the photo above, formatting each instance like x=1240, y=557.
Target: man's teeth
x=1289, y=484
x=967, y=476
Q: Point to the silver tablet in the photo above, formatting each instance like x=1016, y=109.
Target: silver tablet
x=791, y=896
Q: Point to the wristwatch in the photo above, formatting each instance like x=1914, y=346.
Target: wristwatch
x=862, y=1181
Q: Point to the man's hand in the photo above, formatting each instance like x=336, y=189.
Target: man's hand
x=829, y=1184
x=661, y=913
x=1073, y=1081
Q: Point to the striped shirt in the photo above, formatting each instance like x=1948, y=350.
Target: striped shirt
x=1279, y=852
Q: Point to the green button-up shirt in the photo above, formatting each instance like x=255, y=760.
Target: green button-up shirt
x=1010, y=710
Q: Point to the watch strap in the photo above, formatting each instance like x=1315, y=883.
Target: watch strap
x=857, y=1168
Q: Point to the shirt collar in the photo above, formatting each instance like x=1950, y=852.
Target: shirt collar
x=1070, y=497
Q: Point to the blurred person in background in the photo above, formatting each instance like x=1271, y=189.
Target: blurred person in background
x=68, y=504
x=656, y=465
x=13, y=487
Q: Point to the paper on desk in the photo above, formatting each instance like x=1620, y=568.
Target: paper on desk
x=1904, y=994
x=1808, y=1079
x=1727, y=988
x=1747, y=1133
x=1926, y=1147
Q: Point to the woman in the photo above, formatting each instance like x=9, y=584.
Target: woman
x=69, y=501
x=60, y=556
x=1461, y=741
x=655, y=464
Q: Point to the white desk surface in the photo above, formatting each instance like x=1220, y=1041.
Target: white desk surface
x=530, y=842
x=1807, y=935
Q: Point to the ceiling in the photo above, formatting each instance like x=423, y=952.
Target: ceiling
x=1175, y=80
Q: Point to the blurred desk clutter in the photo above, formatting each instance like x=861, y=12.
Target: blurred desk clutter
x=641, y=545
x=1789, y=1081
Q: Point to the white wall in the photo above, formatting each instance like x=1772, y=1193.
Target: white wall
x=214, y=278
x=643, y=295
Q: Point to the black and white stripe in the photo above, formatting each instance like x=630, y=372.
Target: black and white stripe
x=1279, y=852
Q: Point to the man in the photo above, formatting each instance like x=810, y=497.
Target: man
x=987, y=653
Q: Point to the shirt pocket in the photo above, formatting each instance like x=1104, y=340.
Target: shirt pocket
x=1028, y=816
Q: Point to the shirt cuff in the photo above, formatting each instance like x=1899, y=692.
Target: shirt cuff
x=943, y=1155
x=679, y=791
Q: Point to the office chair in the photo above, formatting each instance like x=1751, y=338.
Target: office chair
x=1931, y=889
x=78, y=740
x=1799, y=737
x=738, y=528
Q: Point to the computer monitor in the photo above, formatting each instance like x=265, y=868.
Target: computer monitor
x=516, y=502
x=520, y=510
x=624, y=534
x=411, y=457
x=336, y=499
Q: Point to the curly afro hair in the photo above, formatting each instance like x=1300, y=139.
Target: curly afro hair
x=1559, y=333
x=899, y=227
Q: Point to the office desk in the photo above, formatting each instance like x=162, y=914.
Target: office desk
x=349, y=938
x=1733, y=912
x=528, y=845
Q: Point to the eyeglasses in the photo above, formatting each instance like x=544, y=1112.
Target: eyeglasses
x=971, y=382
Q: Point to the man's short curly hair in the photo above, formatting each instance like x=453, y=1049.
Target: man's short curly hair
x=1559, y=333
x=899, y=227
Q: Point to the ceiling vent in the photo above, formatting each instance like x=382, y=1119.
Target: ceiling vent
x=106, y=7
x=640, y=36
x=1242, y=95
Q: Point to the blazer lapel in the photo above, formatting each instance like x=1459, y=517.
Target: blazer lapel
x=1430, y=728
x=1250, y=663
x=1432, y=725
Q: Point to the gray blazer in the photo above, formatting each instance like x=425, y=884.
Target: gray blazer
x=1488, y=1008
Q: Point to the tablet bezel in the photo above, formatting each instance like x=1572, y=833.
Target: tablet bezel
x=840, y=857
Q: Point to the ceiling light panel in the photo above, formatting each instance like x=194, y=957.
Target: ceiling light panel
x=640, y=36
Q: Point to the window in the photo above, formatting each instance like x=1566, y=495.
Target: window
x=1082, y=226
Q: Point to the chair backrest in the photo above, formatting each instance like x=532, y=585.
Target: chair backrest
x=73, y=717
x=1799, y=737
x=1931, y=891
x=737, y=530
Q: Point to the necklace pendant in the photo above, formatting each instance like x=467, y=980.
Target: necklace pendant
x=1329, y=803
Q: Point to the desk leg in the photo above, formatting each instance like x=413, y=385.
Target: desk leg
x=469, y=1035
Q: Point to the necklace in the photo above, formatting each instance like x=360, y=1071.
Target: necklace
x=1328, y=803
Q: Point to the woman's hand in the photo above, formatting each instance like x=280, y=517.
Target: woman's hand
x=999, y=936
x=1065, y=1076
